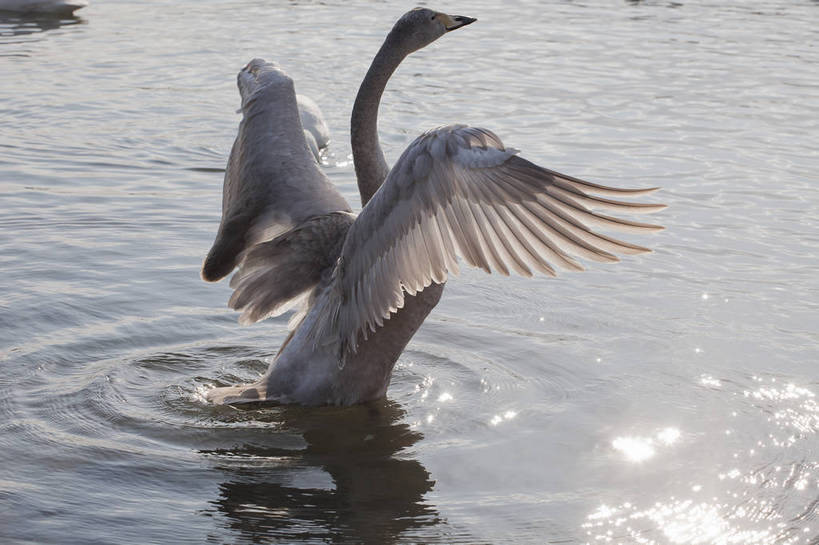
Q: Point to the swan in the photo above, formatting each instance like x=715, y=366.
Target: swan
x=55, y=7
x=315, y=129
x=364, y=284
x=312, y=145
x=312, y=121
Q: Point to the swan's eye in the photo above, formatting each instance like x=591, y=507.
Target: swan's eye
x=433, y=17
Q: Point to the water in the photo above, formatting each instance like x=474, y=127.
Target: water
x=670, y=399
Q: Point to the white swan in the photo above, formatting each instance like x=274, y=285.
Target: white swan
x=365, y=284
x=55, y=7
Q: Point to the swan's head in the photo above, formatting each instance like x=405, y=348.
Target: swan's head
x=421, y=26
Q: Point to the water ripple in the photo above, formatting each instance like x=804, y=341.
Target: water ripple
x=667, y=399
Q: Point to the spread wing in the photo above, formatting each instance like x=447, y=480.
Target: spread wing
x=272, y=184
x=457, y=192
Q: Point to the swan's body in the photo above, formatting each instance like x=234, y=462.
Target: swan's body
x=366, y=283
x=55, y=7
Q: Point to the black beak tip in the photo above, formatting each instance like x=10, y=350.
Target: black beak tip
x=461, y=20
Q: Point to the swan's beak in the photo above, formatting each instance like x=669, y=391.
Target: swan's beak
x=451, y=22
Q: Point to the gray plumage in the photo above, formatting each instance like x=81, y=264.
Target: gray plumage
x=367, y=283
x=456, y=192
x=271, y=182
x=312, y=120
x=275, y=274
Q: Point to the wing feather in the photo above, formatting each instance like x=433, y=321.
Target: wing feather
x=489, y=238
x=457, y=192
x=272, y=183
x=276, y=275
x=449, y=244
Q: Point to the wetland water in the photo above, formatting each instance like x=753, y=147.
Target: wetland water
x=668, y=399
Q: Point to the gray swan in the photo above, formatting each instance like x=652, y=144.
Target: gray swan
x=364, y=284
x=43, y=7
x=316, y=131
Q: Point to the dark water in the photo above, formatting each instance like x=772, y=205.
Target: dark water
x=670, y=399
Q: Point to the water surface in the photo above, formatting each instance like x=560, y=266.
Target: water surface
x=670, y=399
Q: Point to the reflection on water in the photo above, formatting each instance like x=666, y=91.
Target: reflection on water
x=15, y=25
x=347, y=483
x=762, y=495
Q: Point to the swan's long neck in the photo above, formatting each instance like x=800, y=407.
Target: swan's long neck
x=370, y=165
x=366, y=375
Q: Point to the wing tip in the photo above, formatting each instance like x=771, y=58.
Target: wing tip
x=212, y=272
x=638, y=250
x=634, y=192
x=650, y=208
x=206, y=277
x=245, y=320
x=599, y=189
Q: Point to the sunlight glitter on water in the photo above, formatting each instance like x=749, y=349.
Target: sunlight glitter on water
x=113, y=155
x=635, y=449
x=792, y=408
x=691, y=522
x=200, y=393
x=499, y=418
x=639, y=449
x=669, y=436
x=743, y=502
x=684, y=521
x=711, y=382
